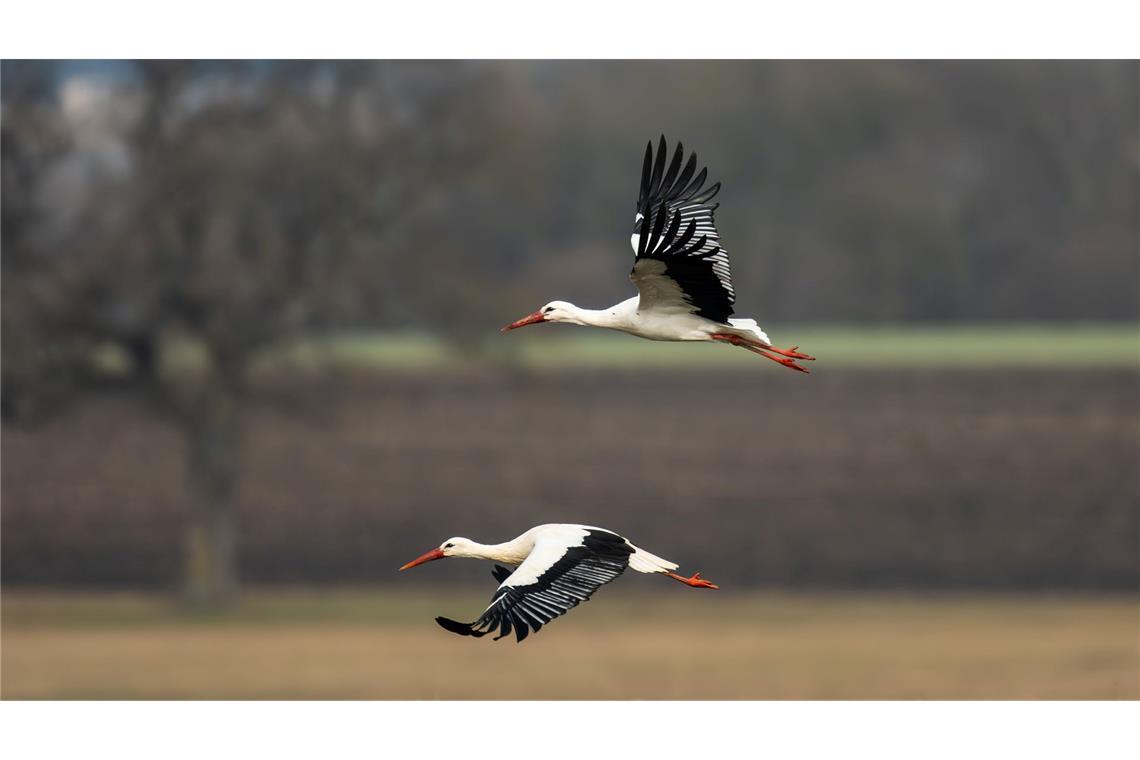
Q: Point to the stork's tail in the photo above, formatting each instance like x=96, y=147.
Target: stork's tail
x=749, y=326
x=644, y=562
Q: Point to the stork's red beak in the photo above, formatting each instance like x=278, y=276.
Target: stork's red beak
x=529, y=319
x=433, y=554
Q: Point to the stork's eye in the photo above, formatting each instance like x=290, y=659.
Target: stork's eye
x=448, y=545
x=548, y=309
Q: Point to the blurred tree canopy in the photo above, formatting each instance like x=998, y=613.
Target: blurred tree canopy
x=210, y=210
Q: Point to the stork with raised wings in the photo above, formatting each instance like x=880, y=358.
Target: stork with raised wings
x=558, y=566
x=681, y=271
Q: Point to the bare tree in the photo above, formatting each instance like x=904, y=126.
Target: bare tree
x=246, y=204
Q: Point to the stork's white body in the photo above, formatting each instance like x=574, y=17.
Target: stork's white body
x=659, y=322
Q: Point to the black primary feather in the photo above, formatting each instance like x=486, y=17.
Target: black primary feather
x=658, y=167
x=463, y=629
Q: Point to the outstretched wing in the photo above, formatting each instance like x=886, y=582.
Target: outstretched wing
x=680, y=265
x=559, y=573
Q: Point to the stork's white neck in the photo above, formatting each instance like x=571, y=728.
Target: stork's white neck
x=509, y=553
x=614, y=317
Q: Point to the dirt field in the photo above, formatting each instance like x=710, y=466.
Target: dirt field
x=627, y=643
x=760, y=478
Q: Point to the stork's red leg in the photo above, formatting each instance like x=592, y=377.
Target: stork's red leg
x=759, y=348
x=696, y=581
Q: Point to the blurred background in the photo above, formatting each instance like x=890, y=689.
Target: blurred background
x=251, y=365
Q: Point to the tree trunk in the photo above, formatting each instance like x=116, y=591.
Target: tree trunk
x=213, y=438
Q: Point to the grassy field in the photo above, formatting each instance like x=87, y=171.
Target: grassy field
x=998, y=345
x=626, y=644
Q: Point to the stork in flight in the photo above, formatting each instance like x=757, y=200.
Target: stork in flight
x=558, y=566
x=681, y=272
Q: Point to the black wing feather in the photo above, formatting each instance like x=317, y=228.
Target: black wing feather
x=696, y=184
x=686, y=175
x=674, y=165
x=501, y=573
x=658, y=167
x=463, y=629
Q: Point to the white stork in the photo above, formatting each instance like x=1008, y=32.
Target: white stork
x=558, y=566
x=680, y=270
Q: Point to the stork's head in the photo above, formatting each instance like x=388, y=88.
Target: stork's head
x=555, y=311
x=452, y=547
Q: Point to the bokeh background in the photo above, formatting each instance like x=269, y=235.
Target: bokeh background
x=251, y=365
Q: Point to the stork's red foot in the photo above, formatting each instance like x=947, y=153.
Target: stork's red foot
x=791, y=353
x=696, y=581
